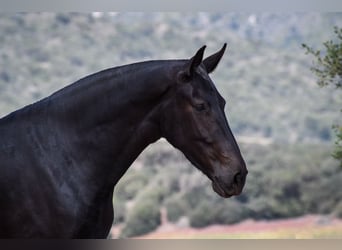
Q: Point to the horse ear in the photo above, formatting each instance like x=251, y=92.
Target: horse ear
x=193, y=63
x=212, y=61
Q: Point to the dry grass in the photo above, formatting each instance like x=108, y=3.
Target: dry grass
x=307, y=227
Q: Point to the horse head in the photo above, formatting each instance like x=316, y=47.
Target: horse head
x=194, y=121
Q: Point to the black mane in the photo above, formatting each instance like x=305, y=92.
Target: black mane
x=113, y=74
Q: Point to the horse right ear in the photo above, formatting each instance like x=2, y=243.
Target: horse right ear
x=211, y=62
x=189, y=68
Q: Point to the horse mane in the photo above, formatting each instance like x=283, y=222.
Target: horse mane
x=89, y=81
x=112, y=73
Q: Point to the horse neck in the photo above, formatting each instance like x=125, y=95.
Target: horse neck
x=112, y=117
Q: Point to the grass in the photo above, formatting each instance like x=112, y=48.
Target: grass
x=324, y=233
x=332, y=230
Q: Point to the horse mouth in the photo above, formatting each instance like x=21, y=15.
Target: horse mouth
x=223, y=192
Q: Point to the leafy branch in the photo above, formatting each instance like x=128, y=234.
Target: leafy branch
x=328, y=69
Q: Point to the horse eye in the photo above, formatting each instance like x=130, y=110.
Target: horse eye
x=200, y=107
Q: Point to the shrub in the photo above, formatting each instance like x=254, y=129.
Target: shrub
x=176, y=208
x=119, y=211
x=130, y=185
x=143, y=218
x=217, y=213
x=338, y=210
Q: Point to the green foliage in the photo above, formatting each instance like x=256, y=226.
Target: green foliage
x=176, y=207
x=120, y=210
x=338, y=210
x=283, y=181
x=328, y=69
x=131, y=185
x=338, y=143
x=144, y=218
x=208, y=213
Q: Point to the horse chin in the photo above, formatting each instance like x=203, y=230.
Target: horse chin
x=220, y=191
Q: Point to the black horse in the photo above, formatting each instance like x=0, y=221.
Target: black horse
x=61, y=157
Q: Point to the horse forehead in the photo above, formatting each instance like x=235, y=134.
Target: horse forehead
x=207, y=84
x=203, y=73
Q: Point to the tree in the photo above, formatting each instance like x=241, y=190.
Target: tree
x=328, y=69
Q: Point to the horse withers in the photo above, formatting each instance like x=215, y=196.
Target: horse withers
x=60, y=158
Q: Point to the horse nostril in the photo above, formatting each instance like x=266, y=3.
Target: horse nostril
x=238, y=178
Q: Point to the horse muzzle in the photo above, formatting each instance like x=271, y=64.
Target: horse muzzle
x=229, y=185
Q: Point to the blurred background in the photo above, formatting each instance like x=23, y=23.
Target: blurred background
x=281, y=118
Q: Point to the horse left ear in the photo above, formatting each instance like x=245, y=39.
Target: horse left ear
x=212, y=61
x=192, y=64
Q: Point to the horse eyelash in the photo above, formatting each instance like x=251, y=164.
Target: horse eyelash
x=201, y=107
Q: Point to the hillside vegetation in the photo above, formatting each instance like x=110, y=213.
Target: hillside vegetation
x=281, y=118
